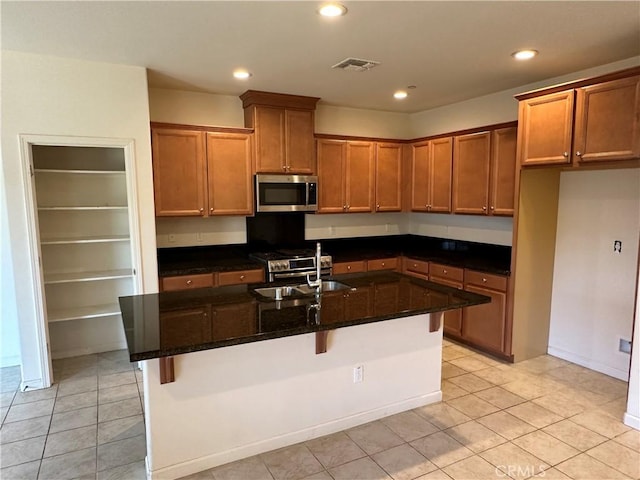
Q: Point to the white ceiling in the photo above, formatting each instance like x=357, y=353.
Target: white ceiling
x=451, y=50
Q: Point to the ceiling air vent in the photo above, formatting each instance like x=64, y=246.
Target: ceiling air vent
x=356, y=64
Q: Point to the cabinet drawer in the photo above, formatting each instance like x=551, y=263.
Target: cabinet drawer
x=241, y=276
x=419, y=267
x=438, y=270
x=349, y=267
x=184, y=282
x=382, y=264
x=487, y=280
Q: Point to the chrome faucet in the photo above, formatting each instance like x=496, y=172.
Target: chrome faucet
x=317, y=283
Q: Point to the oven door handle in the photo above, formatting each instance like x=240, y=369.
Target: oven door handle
x=292, y=274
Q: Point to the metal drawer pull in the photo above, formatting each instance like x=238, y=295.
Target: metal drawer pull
x=242, y=277
x=189, y=282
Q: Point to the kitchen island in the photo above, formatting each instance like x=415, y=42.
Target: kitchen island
x=252, y=374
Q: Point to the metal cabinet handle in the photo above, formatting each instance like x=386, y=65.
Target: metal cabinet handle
x=444, y=271
x=189, y=282
x=378, y=207
x=565, y=154
x=579, y=153
x=348, y=267
x=484, y=208
x=241, y=277
x=415, y=265
x=211, y=209
x=383, y=264
x=484, y=280
x=492, y=208
x=201, y=209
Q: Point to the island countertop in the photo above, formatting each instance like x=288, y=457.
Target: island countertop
x=172, y=323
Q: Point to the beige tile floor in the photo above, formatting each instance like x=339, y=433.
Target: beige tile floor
x=542, y=418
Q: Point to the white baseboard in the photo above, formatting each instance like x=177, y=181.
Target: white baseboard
x=631, y=421
x=76, y=352
x=589, y=363
x=33, y=384
x=211, y=461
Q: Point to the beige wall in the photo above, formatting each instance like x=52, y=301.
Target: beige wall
x=44, y=95
x=494, y=108
x=592, y=302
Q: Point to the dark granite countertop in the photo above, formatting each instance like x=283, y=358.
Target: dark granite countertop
x=173, y=323
x=476, y=256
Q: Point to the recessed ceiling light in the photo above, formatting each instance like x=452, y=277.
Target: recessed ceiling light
x=241, y=74
x=524, y=54
x=400, y=94
x=332, y=10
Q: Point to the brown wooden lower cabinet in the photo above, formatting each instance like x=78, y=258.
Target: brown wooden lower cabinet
x=485, y=325
x=240, y=277
x=181, y=328
x=185, y=282
x=236, y=277
x=415, y=268
x=350, y=305
x=357, y=266
x=383, y=264
x=230, y=321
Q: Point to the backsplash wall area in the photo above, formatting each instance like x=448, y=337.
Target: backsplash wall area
x=181, y=232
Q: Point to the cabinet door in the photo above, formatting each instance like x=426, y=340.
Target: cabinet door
x=179, y=172
x=240, y=277
x=608, y=121
x=503, y=171
x=181, y=328
x=382, y=264
x=349, y=267
x=269, y=139
x=386, y=297
x=232, y=321
x=545, y=125
x=300, y=154
x=229, y=174
x=186, y=282
x=388, y=177
x=471, y=160
x=420, y=176
x=331, y=178
x=441, y=158
x=485, y=324
x=357, y=303
x=359, y=177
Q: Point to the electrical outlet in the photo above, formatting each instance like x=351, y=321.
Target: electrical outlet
x=617, y=246
x=624, y=345
x=358, y=374
x=172, y=238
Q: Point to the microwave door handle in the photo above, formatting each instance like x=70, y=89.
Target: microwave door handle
x=306, y=184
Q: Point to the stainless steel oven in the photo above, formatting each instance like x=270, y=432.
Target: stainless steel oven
x=286, y=193
x=293, y=265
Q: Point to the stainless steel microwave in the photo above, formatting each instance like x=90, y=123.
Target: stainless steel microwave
x=286, y=193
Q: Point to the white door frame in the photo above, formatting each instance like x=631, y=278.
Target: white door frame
x=33, y=237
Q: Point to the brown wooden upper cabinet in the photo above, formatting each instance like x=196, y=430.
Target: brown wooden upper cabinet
x=431, y=175
x=484, y=172
x=606, y=126
x=179, y=172
x=388, y=177
x=345, y=176
x=284, y=126
x=192, y=171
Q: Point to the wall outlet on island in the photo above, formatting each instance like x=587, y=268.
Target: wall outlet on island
x=358, y=373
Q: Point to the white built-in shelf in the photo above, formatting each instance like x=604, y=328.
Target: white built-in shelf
x=97, y=207
x=100, y=239
x=79, y=313
x=50, y=278
x=98, y=172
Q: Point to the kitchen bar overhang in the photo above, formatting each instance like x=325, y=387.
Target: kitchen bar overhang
x=167, y=324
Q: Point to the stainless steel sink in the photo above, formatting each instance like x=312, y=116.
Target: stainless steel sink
x=327, y=286
x=271, y=292
x=279, y=293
